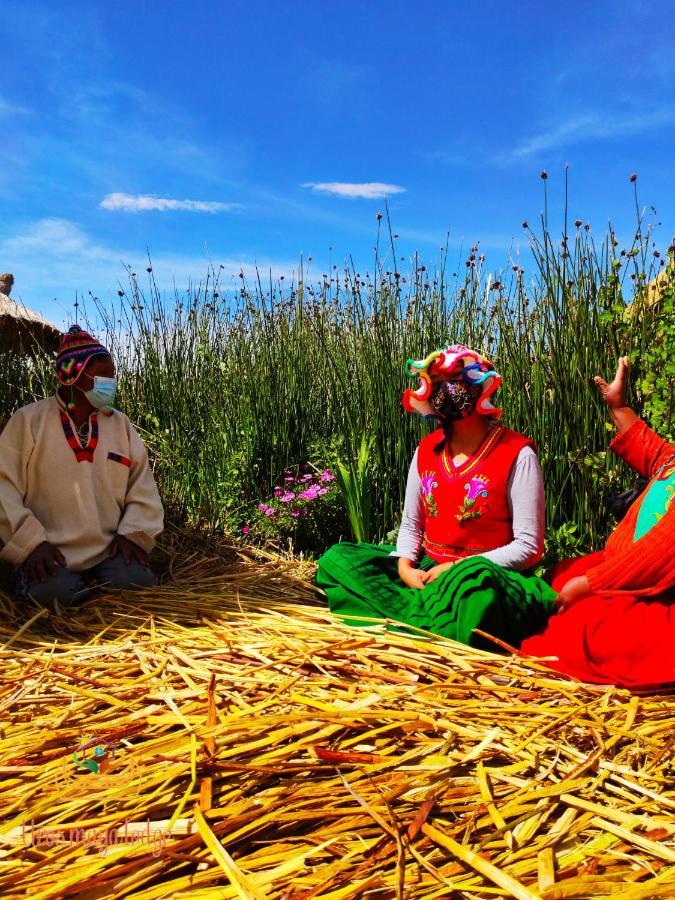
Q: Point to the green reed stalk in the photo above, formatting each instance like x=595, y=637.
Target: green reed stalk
x=231, y=387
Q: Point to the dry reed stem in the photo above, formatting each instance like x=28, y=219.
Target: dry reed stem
x=262, y=749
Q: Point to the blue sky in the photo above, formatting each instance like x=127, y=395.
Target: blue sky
x=281, y=125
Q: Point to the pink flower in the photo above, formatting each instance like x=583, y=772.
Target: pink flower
x=428, y=483
x=289, y=479
x=326, y=475
x=477, y=487
x=306, y=478
x=262, y=507
x=287, y=497
x=322, y=491
x=245, y=529
x=311, y=493
x=278, y=491
x=270, y=511
x=295, y=513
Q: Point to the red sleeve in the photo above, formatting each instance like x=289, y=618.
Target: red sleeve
x=642, y=449
x=646, y=566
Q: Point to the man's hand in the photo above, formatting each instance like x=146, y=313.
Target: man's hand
x=42, y=562
x=129, y=551
x=573, y=591
x=411, y=575
x=438, y=570
x=614, y=394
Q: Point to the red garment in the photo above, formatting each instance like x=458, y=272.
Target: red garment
x=466, y=508
x=624, y=632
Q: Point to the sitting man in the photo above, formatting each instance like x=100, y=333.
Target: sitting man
x=616, y=622
x=78, y=501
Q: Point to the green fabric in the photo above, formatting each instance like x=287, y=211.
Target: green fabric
x=362, y=581
x=654, y=506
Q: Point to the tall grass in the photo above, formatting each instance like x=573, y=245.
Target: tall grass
x=22, y=379
x=231, y=388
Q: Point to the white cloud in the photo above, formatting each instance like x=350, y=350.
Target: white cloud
x=56, y=238
x=594, y=126
x=55, y=258
x=370, y=190
x=143, y=203
x=9, y=109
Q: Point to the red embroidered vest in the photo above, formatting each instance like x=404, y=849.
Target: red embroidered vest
x=466, y=508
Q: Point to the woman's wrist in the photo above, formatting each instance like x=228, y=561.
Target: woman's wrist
x=623, y=417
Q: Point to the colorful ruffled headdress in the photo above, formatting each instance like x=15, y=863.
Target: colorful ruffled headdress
x=442, y=365
x=75, y=349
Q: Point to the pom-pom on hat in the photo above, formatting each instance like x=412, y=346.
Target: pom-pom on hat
x=76, y=348
x=443, y=365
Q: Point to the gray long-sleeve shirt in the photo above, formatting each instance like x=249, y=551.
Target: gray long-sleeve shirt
x=525, y=491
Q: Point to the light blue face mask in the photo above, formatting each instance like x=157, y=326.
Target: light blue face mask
x=102, y=395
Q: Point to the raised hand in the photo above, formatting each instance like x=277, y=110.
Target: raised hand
x=614, y=394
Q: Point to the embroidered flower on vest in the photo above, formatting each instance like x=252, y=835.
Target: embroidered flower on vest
x=474, y=505
x=428, y=485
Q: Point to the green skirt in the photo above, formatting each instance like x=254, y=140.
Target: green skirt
x=362, y=583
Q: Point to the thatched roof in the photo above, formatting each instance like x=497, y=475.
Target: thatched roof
x=22, y=328
x=654, y=292
x=656, y=288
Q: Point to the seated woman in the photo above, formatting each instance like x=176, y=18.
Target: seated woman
x=617, y=607
x=474, y=504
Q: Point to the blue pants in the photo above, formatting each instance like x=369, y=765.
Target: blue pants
x=67, y=588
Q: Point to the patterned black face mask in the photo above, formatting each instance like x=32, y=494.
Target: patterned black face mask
x=453, y=400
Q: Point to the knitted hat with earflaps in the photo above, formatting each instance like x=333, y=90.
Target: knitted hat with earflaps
x=76, y=348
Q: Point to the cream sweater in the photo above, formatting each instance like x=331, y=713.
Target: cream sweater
x=47, y=495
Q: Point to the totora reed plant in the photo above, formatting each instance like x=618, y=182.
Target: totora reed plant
x=231, y=388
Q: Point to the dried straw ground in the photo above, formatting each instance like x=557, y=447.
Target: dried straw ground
x=268, y=751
